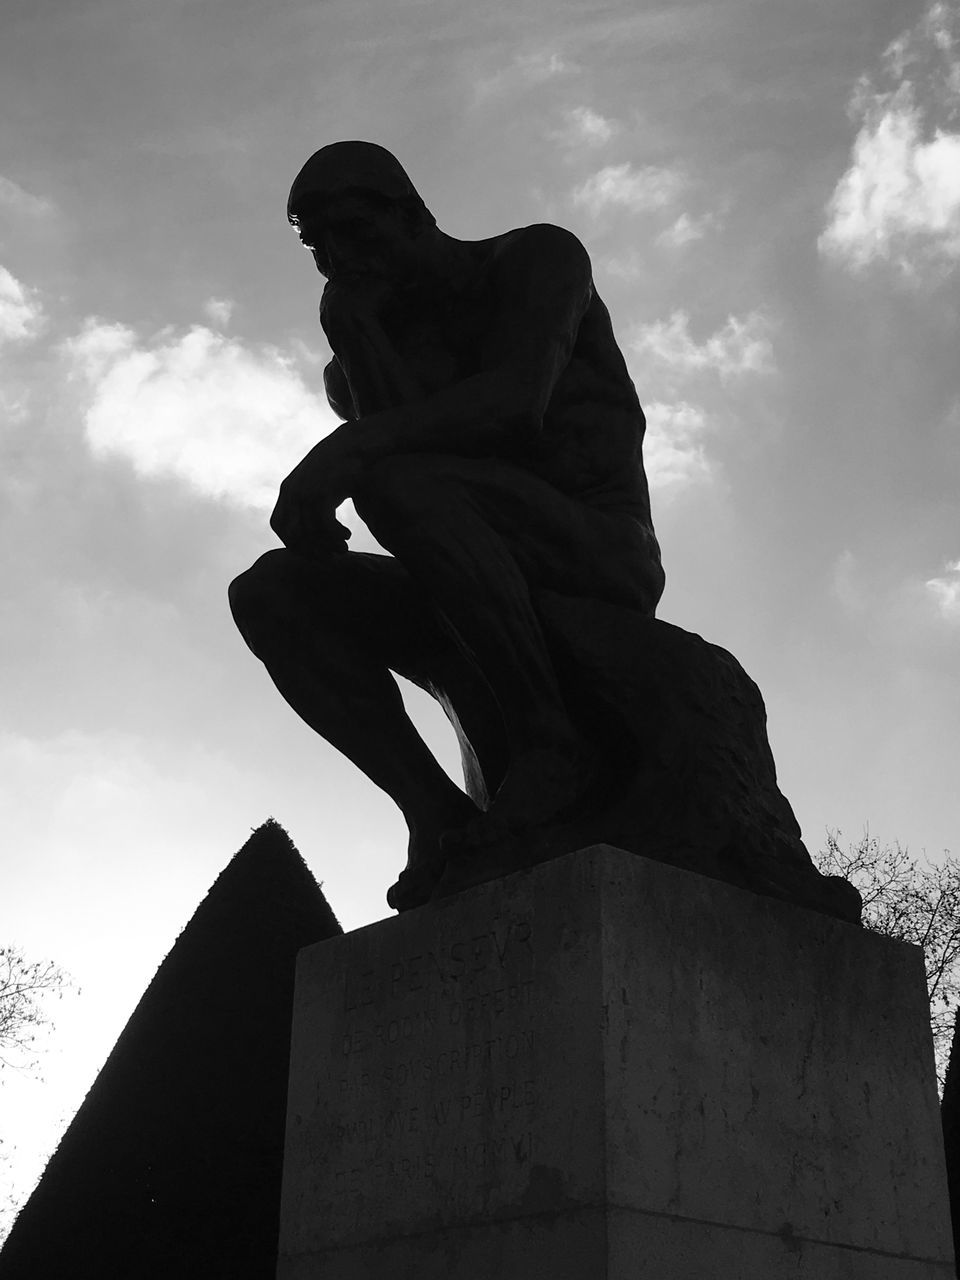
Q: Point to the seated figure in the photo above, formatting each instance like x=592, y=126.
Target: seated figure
x=492, y=443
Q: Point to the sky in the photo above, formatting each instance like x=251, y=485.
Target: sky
x=770, y=195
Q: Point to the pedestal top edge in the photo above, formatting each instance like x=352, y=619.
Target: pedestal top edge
x=614, y=861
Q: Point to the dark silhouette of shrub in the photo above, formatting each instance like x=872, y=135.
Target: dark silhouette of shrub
x=171, y=1167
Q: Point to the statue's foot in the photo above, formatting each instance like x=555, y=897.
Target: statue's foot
x=482, y=852
x=427, y=853
x=524, y=825
x=414, y=887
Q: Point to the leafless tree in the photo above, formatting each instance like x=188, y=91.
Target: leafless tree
x=917, y=901
x=26, y=988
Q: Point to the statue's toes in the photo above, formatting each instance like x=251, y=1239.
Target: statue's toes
x=414, y=888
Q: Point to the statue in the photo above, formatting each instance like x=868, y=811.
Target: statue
x=492, y=443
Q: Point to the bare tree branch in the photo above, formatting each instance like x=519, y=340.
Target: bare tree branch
x=915, y=901
x=26, y=988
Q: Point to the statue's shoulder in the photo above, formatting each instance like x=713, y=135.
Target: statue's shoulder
x=541, y=253
x=539, y=241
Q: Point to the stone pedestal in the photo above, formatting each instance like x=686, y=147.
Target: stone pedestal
x=606, y=1068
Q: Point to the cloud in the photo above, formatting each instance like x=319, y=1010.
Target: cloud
x=927, y=48
x=631, y=265
x=584, y=127
x=526, y=71
x=543, y=65
x=621, y=186
x=229, y=420
x=673, y=452
x=21, y=315
x=219, y=311
x=739, y=348
x=945, y=591
x=899, y=199
x=21, y=201
x=686, y=229
x=900, y=196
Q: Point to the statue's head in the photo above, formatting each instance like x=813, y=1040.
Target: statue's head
x=355, y=209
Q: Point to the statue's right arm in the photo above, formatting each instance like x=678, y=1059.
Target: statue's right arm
x=337, y=387
x=370, y=377
x=544, y=289
x=544, y=292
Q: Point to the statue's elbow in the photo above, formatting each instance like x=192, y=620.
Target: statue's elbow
x=529, y=422
x=529, y=406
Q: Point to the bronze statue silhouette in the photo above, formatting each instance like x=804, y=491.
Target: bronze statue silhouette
x=492, y=443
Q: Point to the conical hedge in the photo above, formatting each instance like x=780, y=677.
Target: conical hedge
x=171, y=1168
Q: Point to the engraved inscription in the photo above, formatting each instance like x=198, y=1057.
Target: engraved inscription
x=439, y=968
x=436, y=1075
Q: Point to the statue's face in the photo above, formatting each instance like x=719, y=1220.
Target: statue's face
x=353, y=233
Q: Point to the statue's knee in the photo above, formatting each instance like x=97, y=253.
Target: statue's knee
x=253, y=595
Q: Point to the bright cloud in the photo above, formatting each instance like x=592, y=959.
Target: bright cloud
x=229, y=420
x=740, y=347
x=21, y=314
x=900, y=195
x=584, y=127
x=21, y=201
x=945, y=591
x=899, y=200
x=621, y=186
x=673, y=451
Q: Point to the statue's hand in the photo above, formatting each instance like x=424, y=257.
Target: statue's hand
x=353, y=303
x=350, y=312
x=304, y=517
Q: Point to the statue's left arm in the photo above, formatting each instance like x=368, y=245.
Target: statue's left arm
x=542, y=284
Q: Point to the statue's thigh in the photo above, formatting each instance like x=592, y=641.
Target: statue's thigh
x=559, y=542
x=401, y=627
x=370, y=602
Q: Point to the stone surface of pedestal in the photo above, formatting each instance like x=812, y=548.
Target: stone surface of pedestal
x=605, y=1068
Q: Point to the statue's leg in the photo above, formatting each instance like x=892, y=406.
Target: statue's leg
x=328, y=632
x=476, y=536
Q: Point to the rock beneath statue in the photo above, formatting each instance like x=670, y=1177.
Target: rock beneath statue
x=687, y=775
